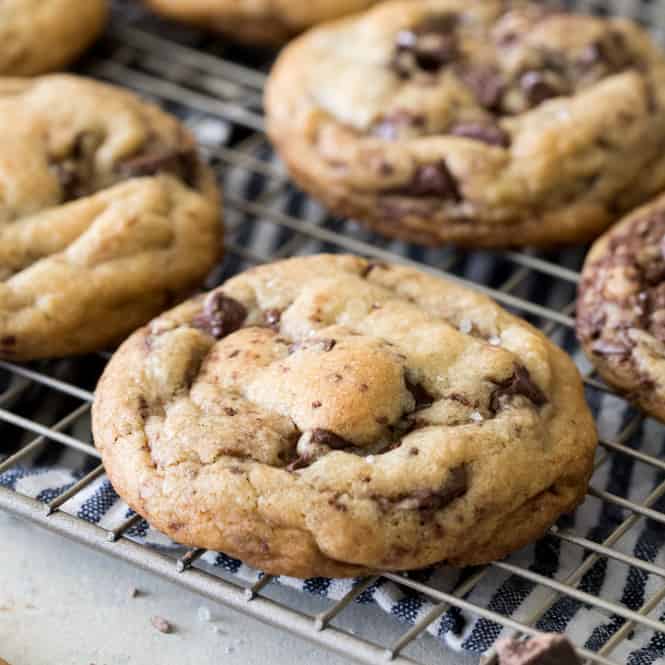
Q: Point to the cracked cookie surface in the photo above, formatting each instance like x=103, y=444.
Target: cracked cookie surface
x=483, y=124
x=107, y=215
x=39, y=37
x=327, y=416
x=262, y=22
x=621, y=307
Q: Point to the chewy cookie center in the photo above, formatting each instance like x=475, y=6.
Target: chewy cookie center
x=349, y=385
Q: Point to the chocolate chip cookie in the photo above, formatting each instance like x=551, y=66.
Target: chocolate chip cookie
x=490, y=123
x=328, y=416
x=267, y=22
x=621, y=307
x=39, y=36
x=107, y=215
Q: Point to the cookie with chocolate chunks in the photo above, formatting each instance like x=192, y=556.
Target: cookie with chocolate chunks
x=107, y=216
x=385, y=419
x=621, y=307
x=257, y=23
x=38, y=37
x=493, y=123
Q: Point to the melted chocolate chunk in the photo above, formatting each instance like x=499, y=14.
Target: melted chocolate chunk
x=393, y=125
x=427, y=47
x=273, y=318
x=221, y=315
x=300, y=462
x=157, y=158
x=324, y=344
x=538, y=87
x=611, y=51
x=486, y=84
x=430, y=180
x=490, y=134
x=543, y=649
x=76, y=172
x=520, y=383
x=330, y=439
x=421, y=397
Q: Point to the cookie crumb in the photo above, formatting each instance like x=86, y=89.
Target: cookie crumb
x=161, y=624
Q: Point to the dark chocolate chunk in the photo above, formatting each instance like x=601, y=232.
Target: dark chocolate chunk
x=430, y=180
x=421, y=396
x=610, y=51
x=330, y=439
x=8, y=340
x=300, y=462
x=157, y=158
x=324, y=344
x=221, y=315
x=486, y=83
x=75, y=173
x=487, y=133
x=391, y=126
x=428, y=46
x=273, y=318
x=519, y=383
x=538, y=87
x=543, y=649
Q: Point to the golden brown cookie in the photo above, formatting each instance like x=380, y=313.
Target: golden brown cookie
x=107, y=215
x=266, y=22
x=621, y=307
x=38, y=36
x=479, y=123
x=329, y=416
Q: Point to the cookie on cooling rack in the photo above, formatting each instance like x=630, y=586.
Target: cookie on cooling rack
x=491, y=123
x=268, y=23
x=329, y=416
x=621, y=307
x=107, y=215
x=38, y=36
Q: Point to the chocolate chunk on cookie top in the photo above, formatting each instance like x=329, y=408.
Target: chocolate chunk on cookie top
x=487, y=123
x=330, y=416
x=107, y=216
x=621, y=307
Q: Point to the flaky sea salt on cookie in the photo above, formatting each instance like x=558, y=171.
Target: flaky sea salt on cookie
x=107, y=215
x=478, y=123
x=330, y=416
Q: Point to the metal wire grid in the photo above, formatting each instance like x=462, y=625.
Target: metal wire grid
x=175, y=73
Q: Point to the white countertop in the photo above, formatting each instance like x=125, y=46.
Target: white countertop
x=64, y=604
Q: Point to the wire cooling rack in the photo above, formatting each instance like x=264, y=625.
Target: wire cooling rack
x=272, y=220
